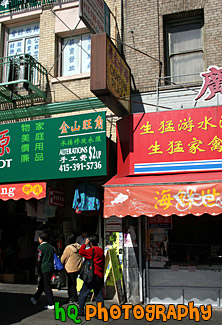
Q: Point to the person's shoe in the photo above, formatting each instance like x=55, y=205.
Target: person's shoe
x=49, y=307
x=33, y=301
x=70, y=300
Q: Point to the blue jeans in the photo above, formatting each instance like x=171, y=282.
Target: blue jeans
x=97, y=286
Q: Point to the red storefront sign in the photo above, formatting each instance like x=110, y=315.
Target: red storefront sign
x=170, y=142
x=22, y=191
x=164, y=200
x=56, y=198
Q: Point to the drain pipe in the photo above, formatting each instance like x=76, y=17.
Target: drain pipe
x=140, y=261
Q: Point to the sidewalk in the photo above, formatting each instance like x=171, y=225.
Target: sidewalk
x=15, y=308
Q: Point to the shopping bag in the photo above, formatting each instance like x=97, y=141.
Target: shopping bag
x=87, y=270
x=57, y=263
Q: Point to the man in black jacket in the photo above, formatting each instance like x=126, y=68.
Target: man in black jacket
x=45, y=267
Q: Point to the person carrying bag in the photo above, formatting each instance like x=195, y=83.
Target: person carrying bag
x=87, y=270
x=92, y=272
x=72, y=262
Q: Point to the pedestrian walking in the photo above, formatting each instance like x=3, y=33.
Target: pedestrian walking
x=45, y=267
x=98, y=279
x=72, y=262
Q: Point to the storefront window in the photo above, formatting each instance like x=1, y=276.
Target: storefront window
x=192, y=241
x=24, y=39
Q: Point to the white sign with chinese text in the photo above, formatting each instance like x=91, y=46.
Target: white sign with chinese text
x=92, y=14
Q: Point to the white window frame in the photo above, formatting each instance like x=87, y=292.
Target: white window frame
x=169, y=66
x=24, y=37
x=65, y=48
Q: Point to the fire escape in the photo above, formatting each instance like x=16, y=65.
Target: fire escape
x=23, y=80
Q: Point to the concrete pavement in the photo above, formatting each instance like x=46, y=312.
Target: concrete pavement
x=15, y=308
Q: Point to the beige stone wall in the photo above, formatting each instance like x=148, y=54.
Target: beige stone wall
x=62, y=88
x=141, y=17
x=47, y=38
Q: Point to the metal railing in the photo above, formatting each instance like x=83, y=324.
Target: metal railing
x=7, y=6
x=22, y=77
x=180, y=86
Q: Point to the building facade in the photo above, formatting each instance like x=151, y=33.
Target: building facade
x=174, y=255
x=45, y=83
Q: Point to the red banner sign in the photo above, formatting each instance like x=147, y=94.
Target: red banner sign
x=56, y=198
x=165, y=200
x=170, y=142
x=22, y=191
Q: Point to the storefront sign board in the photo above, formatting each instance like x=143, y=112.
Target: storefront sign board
x=56, y=198
x=114, y=224
x=110, y=75
x=170, y=142
x=22, y=191
x=92, y=13
x=65, y=147
x=160, y=222
x=164, y=200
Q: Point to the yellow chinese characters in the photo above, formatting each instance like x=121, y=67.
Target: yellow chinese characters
x=166, y=126
x=155, y=149
x=175, y=146
x=186, y=125
x=86, y=125
x=36, y=189
x=165, y=200
x=187, y=198
x=204, y=124
x=194, y=146
x=147, y=128
x=216, y=144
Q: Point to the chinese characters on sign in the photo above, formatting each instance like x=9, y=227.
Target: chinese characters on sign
x=92, y=13
x=77, y=55
x=74, y=146
x=212, y=83
x=79, y=152
x=179, y=141
x=24, y=39
x=194, y=145
x=118, y=75
x=22, y=191
x=27, y=142
x=164, y=200
x=185, y=199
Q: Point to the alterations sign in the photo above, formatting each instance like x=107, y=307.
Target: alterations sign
x=92, y=13
x=66, y=147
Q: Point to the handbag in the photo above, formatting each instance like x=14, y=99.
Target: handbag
x=57, y=263
x=87, y=270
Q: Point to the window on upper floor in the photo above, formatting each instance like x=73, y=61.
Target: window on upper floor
x=23, y=39
x=76, y=55
x=185, y=52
